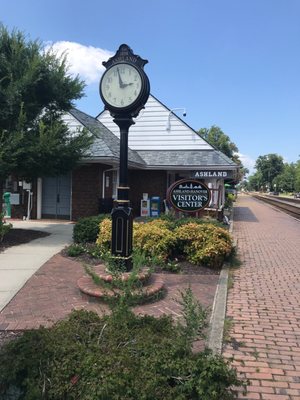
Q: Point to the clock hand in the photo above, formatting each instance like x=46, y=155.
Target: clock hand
x=121, y=84
x=127, y=84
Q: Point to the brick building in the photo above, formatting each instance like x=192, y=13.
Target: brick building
x=162, y=150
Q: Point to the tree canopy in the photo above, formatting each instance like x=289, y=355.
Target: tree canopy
x=297, y=177
x=269, y=166
x=35, y=89
x=218, y=139
x=273, y=174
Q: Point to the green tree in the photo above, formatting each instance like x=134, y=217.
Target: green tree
x=269, y=166
x=218, y=139
x=297, y=177
x=255, y=182
x=286, y=180
x=35, y=89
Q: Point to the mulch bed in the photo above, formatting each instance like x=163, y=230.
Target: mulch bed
x=185, y=267
x=191, y=269
x=20, y=236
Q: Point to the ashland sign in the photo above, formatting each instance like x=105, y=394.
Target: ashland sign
x=188, y=195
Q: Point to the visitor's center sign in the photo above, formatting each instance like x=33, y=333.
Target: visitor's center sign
x=188, y=195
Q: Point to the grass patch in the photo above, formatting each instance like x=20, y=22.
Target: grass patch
x=228, y=325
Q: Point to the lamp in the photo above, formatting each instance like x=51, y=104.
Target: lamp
x=168, y=125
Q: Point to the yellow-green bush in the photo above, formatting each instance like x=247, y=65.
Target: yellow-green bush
x=204, y=244
x=104, y=236
x=154, y=239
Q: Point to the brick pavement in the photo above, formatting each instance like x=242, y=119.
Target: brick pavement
x=264, y=303
x=51, y=294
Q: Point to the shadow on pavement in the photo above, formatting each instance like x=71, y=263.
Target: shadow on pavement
x=244, y=214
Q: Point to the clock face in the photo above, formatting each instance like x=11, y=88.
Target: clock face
x=121, y=85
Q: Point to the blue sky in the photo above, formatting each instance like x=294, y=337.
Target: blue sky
x=230, y=63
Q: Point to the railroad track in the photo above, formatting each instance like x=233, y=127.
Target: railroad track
x=289, y=206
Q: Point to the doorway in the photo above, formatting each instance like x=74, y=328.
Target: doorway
x=56, y=197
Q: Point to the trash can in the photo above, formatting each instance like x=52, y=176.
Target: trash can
x=7, y=205
x=155, y=206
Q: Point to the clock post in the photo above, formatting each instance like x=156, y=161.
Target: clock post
x=124, y=90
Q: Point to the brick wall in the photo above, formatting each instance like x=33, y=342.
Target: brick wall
x=152, y=182
x=86, y=190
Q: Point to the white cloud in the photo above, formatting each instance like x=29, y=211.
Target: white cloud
x=85, y=61
x=247, y=162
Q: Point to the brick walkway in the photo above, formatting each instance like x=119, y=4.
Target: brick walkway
x=264, y=303
x=51, y=294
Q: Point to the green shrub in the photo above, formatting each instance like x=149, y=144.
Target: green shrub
x=172, y=222
x=121, y=356
x=198, y=221
x=75, y=250
x=4, y=227
x=92, y=250
x=229, y=200
x=86, y=229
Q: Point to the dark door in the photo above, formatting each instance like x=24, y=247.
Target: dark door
x=56, y=197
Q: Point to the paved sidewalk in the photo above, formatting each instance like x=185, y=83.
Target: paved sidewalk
x=19, y=263
x=264, y=303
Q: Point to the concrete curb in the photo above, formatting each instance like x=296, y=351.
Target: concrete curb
x=215, y=337
x=215, y=340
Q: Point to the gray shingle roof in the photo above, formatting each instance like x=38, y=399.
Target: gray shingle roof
x=106, y=144
x=186, y=158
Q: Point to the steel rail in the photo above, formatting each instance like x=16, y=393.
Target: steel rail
x=289, y=206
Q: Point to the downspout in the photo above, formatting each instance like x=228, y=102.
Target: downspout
x=39, y=198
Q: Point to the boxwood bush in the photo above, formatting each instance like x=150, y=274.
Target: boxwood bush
x=120, y=356
x=86, y=229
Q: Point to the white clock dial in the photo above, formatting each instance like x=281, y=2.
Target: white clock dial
x=121, y=85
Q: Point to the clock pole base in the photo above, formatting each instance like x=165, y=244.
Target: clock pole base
x=122, y=231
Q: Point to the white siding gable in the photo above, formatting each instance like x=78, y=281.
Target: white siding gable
x=150, y=130
x=73, y=124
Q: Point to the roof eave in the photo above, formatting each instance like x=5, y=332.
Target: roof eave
x=109, y=160
x=191, y=167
